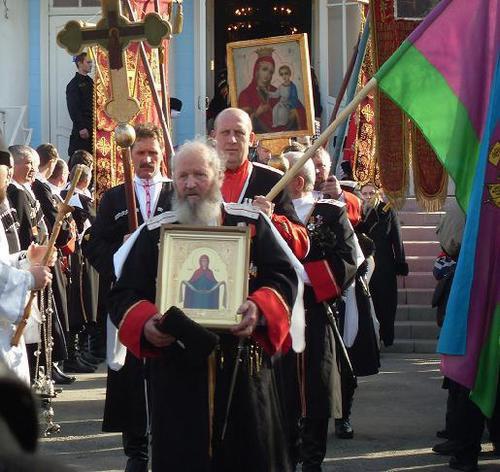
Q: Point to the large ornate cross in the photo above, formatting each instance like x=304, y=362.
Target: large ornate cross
x=114, y=32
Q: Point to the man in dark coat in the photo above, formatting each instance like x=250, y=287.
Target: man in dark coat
x=182, y=433
x=80, y=102
x=249, y=182
x=125, y=408
x=331, y=266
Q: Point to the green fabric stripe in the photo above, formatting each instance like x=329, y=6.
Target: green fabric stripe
x=484, y=393
x=421, y=91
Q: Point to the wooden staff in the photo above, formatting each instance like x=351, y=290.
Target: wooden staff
x=63, y=209
x=344, y=114
x=125, y=137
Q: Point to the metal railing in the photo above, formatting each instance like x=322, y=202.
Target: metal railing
x=12, y=125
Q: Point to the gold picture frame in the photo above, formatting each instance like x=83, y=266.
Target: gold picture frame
x=204, y=272
x=280, y=106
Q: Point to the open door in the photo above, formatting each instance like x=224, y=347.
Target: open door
x=61, y=71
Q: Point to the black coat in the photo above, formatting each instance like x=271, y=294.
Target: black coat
x=180, y=430
x=125, y=406
x=80, y=102
x=32, y=227
x=384, y=229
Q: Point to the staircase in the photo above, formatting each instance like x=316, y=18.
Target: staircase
x=415, y=329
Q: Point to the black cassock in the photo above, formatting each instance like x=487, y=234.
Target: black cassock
x=384, y=229
x=254, y=440
x=125, y=407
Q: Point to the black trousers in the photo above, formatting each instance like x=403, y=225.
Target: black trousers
x=135, y=448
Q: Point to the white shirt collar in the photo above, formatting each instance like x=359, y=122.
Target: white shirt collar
x=303, y=206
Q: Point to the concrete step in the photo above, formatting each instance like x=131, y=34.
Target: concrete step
x=418, y=233
x=422, y=248
x=420, y=218
x=416, y=313
x=417, y=280
x=420, y=263
x=415, y=296
x=416, y=330
x=420, y=346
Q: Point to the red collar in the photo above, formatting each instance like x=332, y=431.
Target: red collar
x=234, y=181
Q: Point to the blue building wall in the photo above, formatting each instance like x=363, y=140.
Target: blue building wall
x=184, y=76
x=35, y=93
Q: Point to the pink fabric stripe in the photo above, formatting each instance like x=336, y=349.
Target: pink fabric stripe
x=461, y=38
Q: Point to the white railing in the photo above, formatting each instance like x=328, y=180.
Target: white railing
x=12, y=119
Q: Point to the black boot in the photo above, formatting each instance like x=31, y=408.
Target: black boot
x=136, y=449
x=313, y=435
x=74, y=363
x=60, y=378
x=84, y=346
x=343, y=429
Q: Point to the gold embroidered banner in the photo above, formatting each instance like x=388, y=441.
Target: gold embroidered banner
x=108, y=168
x=397, y=139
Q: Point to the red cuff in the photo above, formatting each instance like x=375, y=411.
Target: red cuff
x=276, y=312
x=294, y=234
x=322, y=280
x=132, y=326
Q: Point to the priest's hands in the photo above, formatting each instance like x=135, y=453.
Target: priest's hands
x=41, y=276
x=154, y=335
x=264, y=205
x=246, y=327
x=35, y=255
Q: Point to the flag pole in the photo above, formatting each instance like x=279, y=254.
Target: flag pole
x=343, y=115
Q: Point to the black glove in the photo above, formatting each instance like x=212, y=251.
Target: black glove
x=362, y=269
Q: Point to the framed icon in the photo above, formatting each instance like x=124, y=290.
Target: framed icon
x=204, y=272
x=270, y=79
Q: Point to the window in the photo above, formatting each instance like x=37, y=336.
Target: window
x=344, y=19
x=76, y=3
x=413, y=9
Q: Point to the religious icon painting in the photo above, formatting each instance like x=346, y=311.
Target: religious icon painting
x=270, y=79
x=204, y=272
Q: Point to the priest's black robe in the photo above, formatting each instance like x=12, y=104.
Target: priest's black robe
x=254, y=441
x=125, y=407
x=382, y=226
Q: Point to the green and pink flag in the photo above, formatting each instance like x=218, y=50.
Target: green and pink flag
x=445, y=76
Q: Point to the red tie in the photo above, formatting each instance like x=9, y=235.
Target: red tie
x=146, y=186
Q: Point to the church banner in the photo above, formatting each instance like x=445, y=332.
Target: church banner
x=108, y=168
x=397, y=139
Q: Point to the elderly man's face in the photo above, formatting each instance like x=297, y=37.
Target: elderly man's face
x=194, y=178
x=233, y=136
x=4, y=182
x=26, y=169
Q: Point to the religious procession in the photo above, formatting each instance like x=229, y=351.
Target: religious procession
x=250, y=236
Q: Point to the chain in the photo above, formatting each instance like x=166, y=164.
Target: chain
x=6, y=10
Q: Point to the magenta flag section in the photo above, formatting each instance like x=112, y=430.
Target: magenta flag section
x=462, y=40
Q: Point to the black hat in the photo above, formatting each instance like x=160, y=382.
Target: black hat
x=197, y=340
x=175, y=104
x=5, y=156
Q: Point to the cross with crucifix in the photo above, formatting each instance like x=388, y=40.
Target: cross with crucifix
x=114, y=32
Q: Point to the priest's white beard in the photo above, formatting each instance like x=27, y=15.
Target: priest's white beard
x=203, y=212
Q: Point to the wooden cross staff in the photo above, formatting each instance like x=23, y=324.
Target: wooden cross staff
x=113, y=32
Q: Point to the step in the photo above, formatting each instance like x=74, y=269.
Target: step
x=416, y=330
x=416, y=313
x=420, y=346
x=420, y=263
x=422, y=248
x=418, y=233
x=412, y=205
x=417, y=280
x=420, y=218
x=415, y=296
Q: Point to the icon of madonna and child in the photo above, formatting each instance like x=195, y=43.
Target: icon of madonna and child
x=203, y=290
x=273, y=108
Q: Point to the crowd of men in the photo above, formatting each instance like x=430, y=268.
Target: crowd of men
x=307, y=330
